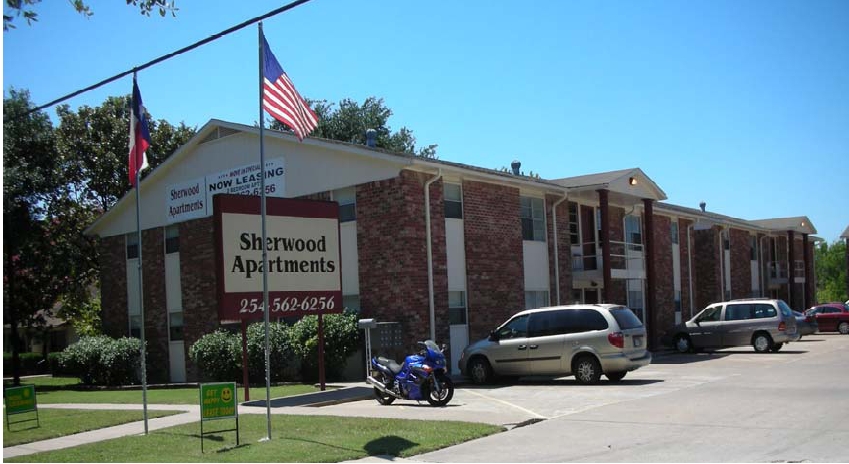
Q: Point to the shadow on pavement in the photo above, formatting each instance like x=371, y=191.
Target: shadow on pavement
x=317, y=399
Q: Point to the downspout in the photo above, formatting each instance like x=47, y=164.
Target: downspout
x=430, y=297
x=690, y=266
x=556, y=254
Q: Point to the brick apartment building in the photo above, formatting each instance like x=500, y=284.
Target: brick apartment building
x=497, y=243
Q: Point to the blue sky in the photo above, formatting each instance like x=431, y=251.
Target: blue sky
x=743, y=104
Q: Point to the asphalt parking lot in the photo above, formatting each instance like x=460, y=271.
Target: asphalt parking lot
x=733, y=405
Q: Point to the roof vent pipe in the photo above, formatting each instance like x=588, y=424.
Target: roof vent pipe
x=516, y=165
x=371, y=138
x=702, y=205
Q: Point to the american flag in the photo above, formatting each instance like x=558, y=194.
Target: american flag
x=280, y=98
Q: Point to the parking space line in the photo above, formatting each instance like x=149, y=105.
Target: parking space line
x=507, y=403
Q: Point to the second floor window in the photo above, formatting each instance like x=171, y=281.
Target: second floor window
x=453, y=201
x=347, y=199
x=533, y=219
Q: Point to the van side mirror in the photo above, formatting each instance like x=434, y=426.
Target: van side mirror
x=493, y=336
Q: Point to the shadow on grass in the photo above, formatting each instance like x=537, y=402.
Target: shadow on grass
x=390, y=445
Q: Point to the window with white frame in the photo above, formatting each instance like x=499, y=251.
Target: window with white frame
x=533, y=219
x=347, y=199
x=633, y=233
x=453, y=201
x=456, y=308
x=536, y=299
x=673, y=231
x=132, y=245
x=574, y=236
x=172, y=239
x=351, y=302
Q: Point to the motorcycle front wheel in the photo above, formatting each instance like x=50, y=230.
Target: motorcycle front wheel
x=445, y=393
x=381, y=397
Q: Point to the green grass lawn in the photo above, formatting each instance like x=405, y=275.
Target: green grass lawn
x=52, y=390
x=294, y=439
x=60, y=422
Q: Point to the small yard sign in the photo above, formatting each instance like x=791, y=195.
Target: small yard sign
x=218, y=401
x=20, y=400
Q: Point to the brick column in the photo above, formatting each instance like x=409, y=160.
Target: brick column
x=605, y=245
x=806, y=253
x=651, y=279
x=791, y=279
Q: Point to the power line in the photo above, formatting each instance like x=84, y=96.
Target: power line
x=170, y=55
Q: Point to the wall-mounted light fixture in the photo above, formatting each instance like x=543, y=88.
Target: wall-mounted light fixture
x=632, y=180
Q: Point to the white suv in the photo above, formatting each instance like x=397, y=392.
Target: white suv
x=581, y=340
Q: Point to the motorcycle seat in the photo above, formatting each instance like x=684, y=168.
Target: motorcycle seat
x=390, y=363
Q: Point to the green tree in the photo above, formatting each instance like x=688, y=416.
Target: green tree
x=349, y=122
x=830, y=268
x=31, y=172
x=94, y=141
x=26, y=9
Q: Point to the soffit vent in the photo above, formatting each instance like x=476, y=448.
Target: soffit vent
x=219, y=133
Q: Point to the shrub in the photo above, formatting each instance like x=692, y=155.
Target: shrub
x=218, y=355
x=280, y=352
x=101, y=360
x=54, y=360
x=341, y=338
x=30, y=363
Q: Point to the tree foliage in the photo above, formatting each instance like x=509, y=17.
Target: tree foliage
x=350, y=121
x=830, y=268
x=26, y=8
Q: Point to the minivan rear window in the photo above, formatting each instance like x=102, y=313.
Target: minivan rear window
x=625, y=318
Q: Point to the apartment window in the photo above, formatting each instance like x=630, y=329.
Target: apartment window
x=726, y=243
x=172, y=239
x=351, y=302
x=633, y=234
x=132, y=246
x=533, y=219
x=175, y=326
x=678, y=301
x=135, y=326
x=574, y=237
x=456, y=308
x=673, y=231
x=347, y=199
x=536, y=299
x=753, y=248
x=453, y=201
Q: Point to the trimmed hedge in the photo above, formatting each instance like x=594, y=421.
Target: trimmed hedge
x=341, y=339
x=101, y=360
x=30, y=364
x=218, y=355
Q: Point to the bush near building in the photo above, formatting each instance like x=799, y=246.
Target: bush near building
x=101, y=360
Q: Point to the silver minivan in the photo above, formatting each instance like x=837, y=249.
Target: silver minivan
x=766, y=324
x=581, y=340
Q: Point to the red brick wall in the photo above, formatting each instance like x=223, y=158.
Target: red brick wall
x=199, y=284
x=155, y=312
x=686, y=261
x=494, y=252
x=564, y=250
x=113, y=286
x=664, y=291
x=706, y=267
x=393, y=255
x=741, y=264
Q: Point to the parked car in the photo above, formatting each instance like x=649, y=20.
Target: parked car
x=581, y=340
x=766, y=324
x=806, y=325
x=831, y=317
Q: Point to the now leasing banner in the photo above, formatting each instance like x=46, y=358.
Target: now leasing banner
x=302, y=246
x=193, y=199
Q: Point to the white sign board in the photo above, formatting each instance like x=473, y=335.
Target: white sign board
x=193, y=199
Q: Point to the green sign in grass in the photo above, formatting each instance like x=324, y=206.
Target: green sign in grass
x=218, y=401
x=19, y=399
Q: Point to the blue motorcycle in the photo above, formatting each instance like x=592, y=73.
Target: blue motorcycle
x=421, y=377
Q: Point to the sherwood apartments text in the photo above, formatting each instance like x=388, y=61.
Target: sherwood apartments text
x=253, y=242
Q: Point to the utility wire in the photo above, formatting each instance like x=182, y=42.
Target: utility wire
x=170, y=55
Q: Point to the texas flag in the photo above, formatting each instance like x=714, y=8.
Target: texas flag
x=139, y=136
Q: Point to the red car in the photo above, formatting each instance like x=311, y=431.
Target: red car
x=831, y=317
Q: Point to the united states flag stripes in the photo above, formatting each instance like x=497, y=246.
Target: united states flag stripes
x=282, y=100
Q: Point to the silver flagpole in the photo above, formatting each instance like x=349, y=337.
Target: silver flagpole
x=141, y=293
x=265, y=310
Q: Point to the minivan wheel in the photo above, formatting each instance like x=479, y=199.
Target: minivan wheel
x=480, y=371
x=683, y=344
x=762, y=342
x=587, y=370
x=843, y=328
x=615, y=376
x=776, y=347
